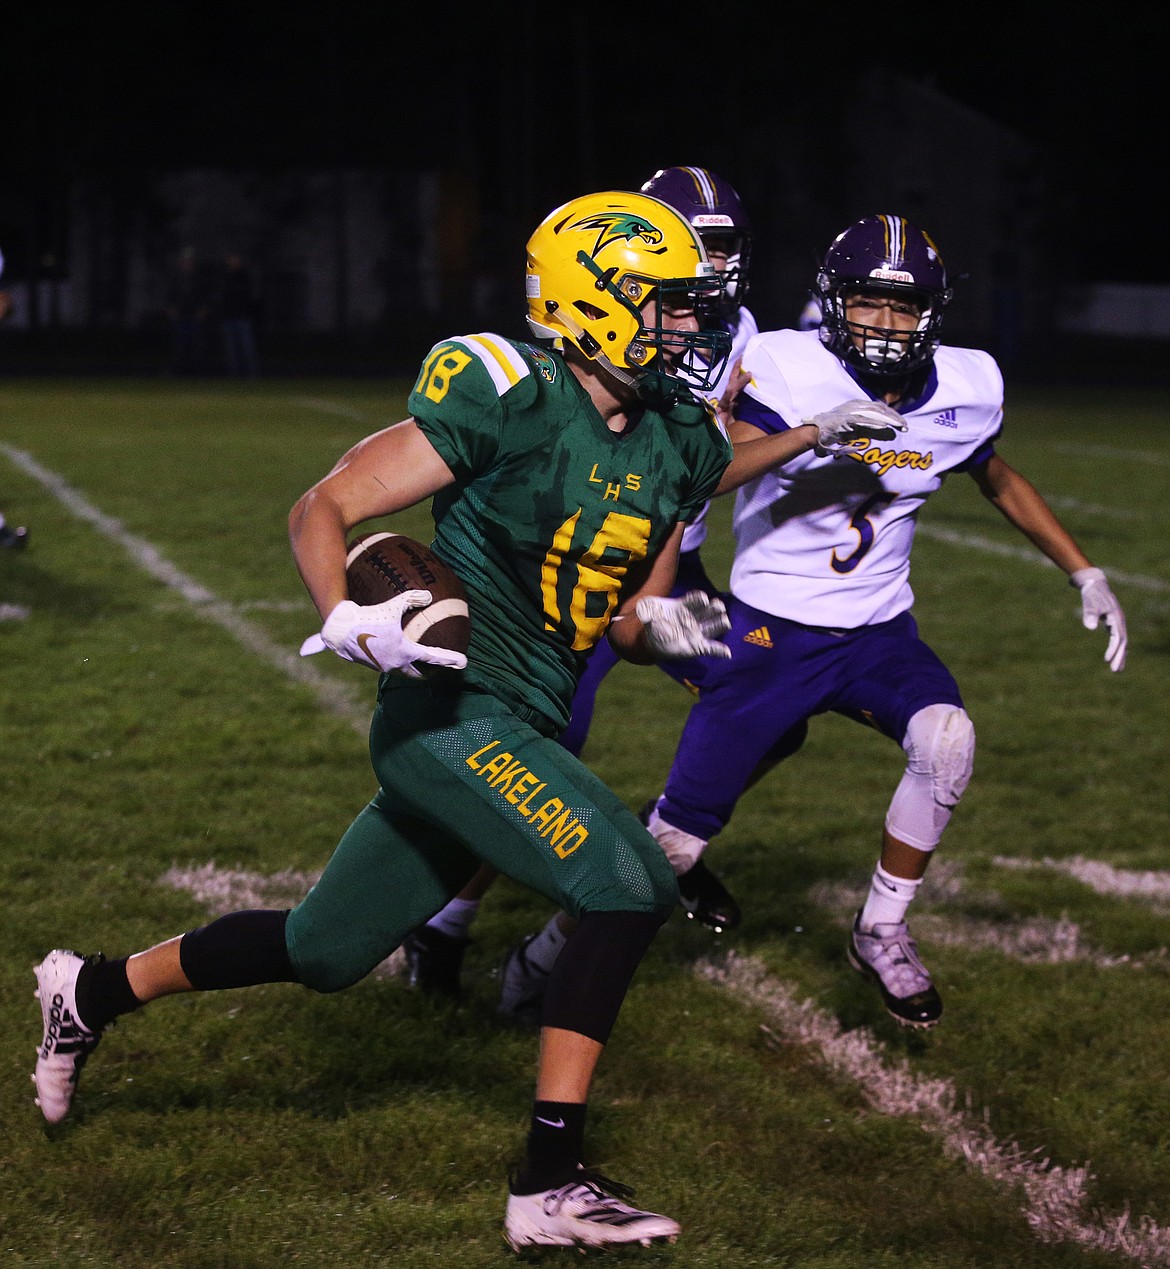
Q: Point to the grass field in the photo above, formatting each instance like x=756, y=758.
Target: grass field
x=158, y=732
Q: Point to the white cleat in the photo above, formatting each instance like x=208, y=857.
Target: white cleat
x=888, y=956
x=585, y=1212
x=66, y=1043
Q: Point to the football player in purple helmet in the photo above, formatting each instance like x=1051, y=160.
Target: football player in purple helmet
x=715, y=211
x=820, y=599
x=880, y=264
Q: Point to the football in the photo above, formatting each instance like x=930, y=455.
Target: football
x=379, y=566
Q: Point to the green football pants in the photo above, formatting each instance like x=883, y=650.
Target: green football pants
x=464, y=780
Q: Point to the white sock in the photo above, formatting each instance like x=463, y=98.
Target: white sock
x=455, y=919
x=546, y=947
x=682, y=849
x=888, y=899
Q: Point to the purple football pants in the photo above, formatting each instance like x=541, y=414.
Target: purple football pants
x=754, y=708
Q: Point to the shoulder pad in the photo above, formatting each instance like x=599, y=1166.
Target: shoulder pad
x=481, y=370
x=505, y=365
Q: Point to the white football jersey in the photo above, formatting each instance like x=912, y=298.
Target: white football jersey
x=826, y=541
x=741, y=330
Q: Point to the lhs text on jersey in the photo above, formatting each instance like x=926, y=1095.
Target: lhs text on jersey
x=613, y=490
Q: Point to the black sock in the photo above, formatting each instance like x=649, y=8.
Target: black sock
x=103, y=993
x=556, y=1141
x=238, y=950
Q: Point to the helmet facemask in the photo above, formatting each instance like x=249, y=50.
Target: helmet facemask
x=885, y=256
x=886, y=350
x=737, y=248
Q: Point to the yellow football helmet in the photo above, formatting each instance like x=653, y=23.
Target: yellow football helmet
x=593, y=265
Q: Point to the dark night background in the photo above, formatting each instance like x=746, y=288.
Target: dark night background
x=519, y=107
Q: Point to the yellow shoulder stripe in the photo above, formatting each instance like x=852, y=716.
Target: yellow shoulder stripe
x=505, y=365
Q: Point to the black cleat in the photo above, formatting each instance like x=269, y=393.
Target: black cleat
x=707, y=900
x=434, y=960
x=522, y=986
x=13, y=539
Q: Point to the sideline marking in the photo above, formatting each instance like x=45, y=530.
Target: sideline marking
x=1031, y=555
x=336, y=408
x=1055, y=1198
x=336, y=697
x=1123, y=883
x=1144, y=456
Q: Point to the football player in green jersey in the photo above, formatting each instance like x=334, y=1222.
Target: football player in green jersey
x=562, y=476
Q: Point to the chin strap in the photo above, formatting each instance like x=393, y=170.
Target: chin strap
x=591, y=348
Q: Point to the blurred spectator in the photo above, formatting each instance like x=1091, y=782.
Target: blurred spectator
x=237, y=316
x=810, y=315
x=187, y=311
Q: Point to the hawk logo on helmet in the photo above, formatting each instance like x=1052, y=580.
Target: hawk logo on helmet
x=618, y=227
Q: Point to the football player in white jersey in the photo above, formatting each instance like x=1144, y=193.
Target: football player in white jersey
x=820, y=593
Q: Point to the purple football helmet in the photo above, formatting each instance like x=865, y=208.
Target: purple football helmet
x=887, y=254
x=713, y=208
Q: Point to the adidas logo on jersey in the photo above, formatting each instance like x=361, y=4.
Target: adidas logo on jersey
x=760, y=637
x=948, y=418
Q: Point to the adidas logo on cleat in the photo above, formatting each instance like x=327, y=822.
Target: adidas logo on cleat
x=587, y=1211
x=759, y=636
x=66, y=1042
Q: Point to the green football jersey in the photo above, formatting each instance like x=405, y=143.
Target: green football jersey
x=550, y=510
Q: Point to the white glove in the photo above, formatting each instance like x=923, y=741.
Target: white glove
x=839, y=427
x=1098, y=603
x=687, y=627
x=372, y=635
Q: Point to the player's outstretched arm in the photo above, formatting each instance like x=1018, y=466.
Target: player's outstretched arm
x=1023, y=505
x=832, y=432
x=755, y=452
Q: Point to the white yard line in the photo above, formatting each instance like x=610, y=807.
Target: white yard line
x=1031, y=941
x=1124, y=883
x=336, y=408
x=1093, y=509
x=1055, y=1201
x=1143, y=457
x=1030, y=555
x=335, y=697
